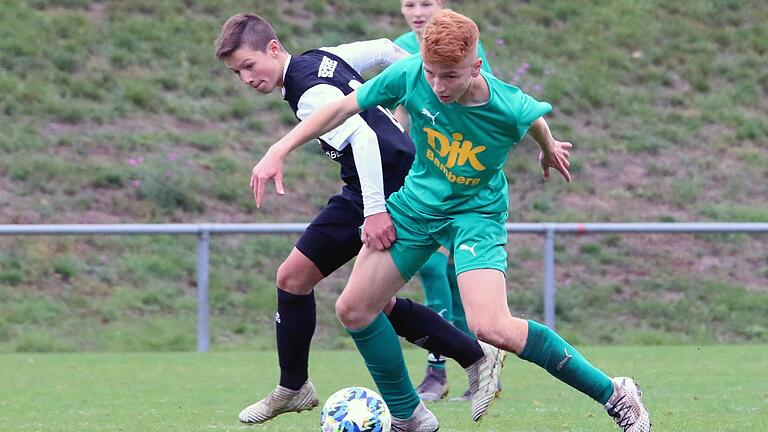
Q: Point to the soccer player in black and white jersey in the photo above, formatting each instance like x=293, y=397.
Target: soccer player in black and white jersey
x=374, y=155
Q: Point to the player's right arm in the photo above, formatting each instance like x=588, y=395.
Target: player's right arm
x=554, y=154
x=270, y=166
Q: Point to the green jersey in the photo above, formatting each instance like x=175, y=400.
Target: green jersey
x=410, y=43
x=460, y=150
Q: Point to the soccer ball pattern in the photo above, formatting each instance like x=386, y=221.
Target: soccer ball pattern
x=355, y=409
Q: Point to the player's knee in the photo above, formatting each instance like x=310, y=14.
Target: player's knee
x=499, y=333
x=344, y=312
x=350, y=316
x=481, y=329
x=487, y=331
x=293, y=282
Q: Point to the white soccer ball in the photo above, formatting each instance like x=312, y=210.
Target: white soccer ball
x=355, y=409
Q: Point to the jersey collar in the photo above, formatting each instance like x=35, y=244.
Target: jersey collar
x=285, y=70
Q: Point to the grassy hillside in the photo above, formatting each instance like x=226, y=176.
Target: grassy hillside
x=117, y=111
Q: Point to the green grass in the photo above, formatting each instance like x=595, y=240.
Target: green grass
x=117, y=293
x=687, y=389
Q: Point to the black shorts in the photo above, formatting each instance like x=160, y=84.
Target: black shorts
x=333, y=237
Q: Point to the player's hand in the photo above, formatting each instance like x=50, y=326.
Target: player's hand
x=269, y=167
x=378, y=231
x=557, y=159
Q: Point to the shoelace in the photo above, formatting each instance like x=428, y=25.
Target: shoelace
x=621, y=413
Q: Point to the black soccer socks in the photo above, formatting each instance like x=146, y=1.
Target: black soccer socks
x=422, y=326
x=295, y=322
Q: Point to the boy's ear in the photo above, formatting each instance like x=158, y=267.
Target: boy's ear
x=476, y=66
x=273, y=47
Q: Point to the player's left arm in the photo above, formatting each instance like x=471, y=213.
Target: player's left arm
x=365, y=55
x=554, y=154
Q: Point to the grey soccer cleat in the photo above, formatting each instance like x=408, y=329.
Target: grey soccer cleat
x=434, y=386
x=280, y=400
x=422, y=420
x=484, y=379
x=626, y=407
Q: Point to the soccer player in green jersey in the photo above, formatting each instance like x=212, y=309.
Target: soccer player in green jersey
x=456, y=196
x=417, y=14
x=438, y=274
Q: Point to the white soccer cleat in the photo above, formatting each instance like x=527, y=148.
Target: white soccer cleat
x=484, y=379
x=626, y=407
x=467, y=395
x=280, y=400
x=422, y=420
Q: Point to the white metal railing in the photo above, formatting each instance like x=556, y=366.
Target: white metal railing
x=205, y=230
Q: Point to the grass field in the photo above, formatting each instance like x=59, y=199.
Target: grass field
x=687, y=388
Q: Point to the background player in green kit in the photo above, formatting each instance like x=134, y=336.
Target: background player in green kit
x=438, y=274
x=417, y=14
x=456, y=196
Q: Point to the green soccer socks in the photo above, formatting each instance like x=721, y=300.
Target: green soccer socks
x=383, y=357
x=547, y=349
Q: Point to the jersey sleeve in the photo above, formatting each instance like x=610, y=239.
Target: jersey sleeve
x=367, y=155
x=387, y=89
x=356, y=133
x=364, y=55
x=528, y=110
x=320, y=95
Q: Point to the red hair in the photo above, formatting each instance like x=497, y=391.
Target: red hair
x=449, y=38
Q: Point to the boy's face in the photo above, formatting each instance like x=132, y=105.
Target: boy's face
x=261, y=70
x=451, y=81
x=418, y=12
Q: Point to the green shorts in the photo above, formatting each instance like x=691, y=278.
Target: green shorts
x=475, y=240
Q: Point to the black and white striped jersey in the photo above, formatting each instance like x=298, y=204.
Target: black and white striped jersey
x=326, y=75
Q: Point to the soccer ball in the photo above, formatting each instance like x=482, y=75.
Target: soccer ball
x=355, y=409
